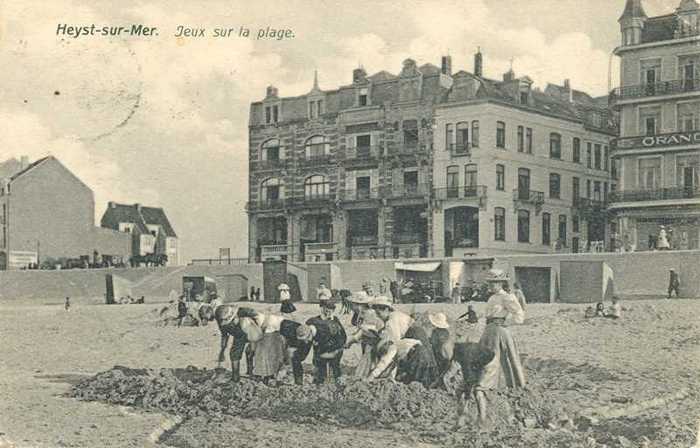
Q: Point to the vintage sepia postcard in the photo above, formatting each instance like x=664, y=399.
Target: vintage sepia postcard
x=390, y=223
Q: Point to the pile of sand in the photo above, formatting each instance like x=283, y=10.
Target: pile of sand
x=431, y=414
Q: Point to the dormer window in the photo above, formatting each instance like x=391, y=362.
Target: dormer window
x=315, y=108
x=271, y=114
x=362, y=97
x=523, y=97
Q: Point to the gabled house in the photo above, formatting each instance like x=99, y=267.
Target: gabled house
x=150, y=228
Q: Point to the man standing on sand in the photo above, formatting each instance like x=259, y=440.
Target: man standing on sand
x=674, y=282
x=67, y=305
x=327, y=336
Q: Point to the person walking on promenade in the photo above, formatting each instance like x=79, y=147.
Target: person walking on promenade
x=287, y=306
x=506, y=368
x=67, y=304
x=456, y=294
x=674, y=282
x=252, y=293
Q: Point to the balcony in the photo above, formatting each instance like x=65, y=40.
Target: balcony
x=407, y=238
x=667, y=140
x=310, y=201
x=589, y=207
x=362, y=156
x=460, y=149
x=528, y=196
x=662, y=88
x=360, y=194
x=267, y=204
x=269, y=165
x=407, y=191
x=466, y=192
x=319, y=251
x=363, y=240
x=659, y=194
x=273, y=251
x=316, y=161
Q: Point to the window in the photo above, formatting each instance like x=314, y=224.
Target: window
x=523, y=184
x=588, y=188
x=523, y=97
x=271, y=190
x=605, y=192
x=597, y=157
x=462, y=145
x=576, y=224
x=363, y=145
x=315, y=108
x=546, y=228
x=410, y=181
x=316, y=147
x=521, y=139
x=363, y=187
x=688, y=117
x=554, y=145
x=688, y=171
x=575, y=245
x=606, y=158
x=589, y=155
x=312, y=109
x=452, y=181
x=500, y=177
x=554, y=186
x=528, y=140
x=649, y=120
x=268, y=114
x=362, y=97
x=500, y=134
x=410, y=134
x=316, y=187
x=271, y=150
x=613, y=168
x=575, y=190
x=596, y=191
x=275, y=114
x=577, y=150
x=449, y=136
x=650, y=173
x=523, y=226
x=475, y=133
x=562, y=229
x=470, y=180
x=499, y=224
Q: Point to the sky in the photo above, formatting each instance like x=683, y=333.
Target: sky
x=162, y=120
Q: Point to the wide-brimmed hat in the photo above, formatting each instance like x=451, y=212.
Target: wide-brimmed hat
x=283, y=286
x=360, y=297
x=439, y=320
x=497, y=275
x=382, y=301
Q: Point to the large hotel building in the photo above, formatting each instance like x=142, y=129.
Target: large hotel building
x=428, y=163
x=659, y=145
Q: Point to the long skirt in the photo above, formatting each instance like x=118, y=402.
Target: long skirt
x=270, y=354
x=418, y=365
x=505, y=370
x=366, y=362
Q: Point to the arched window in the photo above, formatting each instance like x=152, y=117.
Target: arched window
x=316, y=187
x=555, y=145
x=271, y=190
x=316, y=147
x=271, y=150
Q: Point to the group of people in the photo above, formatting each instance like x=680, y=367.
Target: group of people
x=393, y=344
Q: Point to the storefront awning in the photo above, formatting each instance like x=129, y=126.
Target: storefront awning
x=418, y=267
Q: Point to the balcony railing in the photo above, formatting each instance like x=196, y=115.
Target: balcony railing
x=275, y=250
x=360, y=194
x=407, y=191
x=462, y=192
x=586, y=203
x=363, y=240
x=315, y=200
x=659, y=194
x=320, y=247
x=655, y=89
x=316, y=161
x=267, y=204
x=275, y=164
x=528, y=196
x=363, y=152
x=407, y=238
x=460, y=149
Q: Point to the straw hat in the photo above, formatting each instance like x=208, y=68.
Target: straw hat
x=497, y=275
x=383, y=301
x=439, y=320
x=360, y=297
x=283, y=286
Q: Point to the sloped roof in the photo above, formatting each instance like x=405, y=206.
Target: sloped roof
x=382, y=76
x=29, y=167
x=9, y=168
x=139, y=216
x=659, y=28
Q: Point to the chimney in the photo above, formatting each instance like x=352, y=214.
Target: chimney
x=478, y=63
x=358, y=75
x=509, y=76
x=446, y=66
x=569, y=91
x=271, y=92
x=23, y=162
x=111, y=204
x=138, y=207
